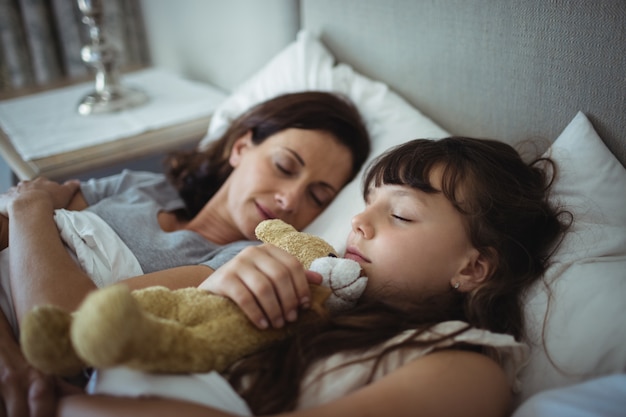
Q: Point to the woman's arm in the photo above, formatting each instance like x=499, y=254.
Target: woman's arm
x=25, y=391
x=443, y=384
x=41, y=269
x=173, y=278
x=67, y=195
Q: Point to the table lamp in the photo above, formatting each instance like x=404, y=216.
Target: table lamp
x=109, y=95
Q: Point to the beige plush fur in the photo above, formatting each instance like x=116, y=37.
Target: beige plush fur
x=159, y=330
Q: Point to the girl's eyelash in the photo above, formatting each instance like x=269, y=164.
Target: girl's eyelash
x=402, y=219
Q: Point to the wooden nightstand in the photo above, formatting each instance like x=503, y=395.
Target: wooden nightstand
x=177, y=117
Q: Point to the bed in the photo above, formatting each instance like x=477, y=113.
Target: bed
x=550, y=71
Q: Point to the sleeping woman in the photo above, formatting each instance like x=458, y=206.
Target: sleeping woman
x=453, y=232
x=285, y=158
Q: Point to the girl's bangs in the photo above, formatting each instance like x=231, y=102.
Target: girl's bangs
x=411, y=165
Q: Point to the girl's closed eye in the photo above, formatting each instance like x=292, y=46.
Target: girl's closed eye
x=401, y=218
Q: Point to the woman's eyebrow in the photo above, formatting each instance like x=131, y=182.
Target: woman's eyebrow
x=301, y=161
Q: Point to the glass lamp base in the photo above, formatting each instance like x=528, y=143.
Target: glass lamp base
x=111, y=101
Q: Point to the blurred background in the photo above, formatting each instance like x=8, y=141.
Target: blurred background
x=213, y=41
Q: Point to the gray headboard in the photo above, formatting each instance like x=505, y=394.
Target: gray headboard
x=510, y=70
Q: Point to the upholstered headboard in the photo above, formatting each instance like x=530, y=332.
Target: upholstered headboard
x=506, y=70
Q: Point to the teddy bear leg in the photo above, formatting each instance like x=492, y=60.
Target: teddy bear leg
x=46, y=344
x=198, y=332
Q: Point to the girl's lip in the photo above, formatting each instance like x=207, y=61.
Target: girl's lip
x=354, y=254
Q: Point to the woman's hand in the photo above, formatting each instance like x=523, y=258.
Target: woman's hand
x=24, y=391
x=27, y=392
x=58, y=194
x=267, y=283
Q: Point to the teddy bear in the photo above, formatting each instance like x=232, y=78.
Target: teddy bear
x=180, y=331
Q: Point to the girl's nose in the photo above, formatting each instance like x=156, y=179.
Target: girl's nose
x=361, y=225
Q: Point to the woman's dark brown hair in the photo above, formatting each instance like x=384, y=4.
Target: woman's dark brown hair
x=509, y=219
x=199, y=174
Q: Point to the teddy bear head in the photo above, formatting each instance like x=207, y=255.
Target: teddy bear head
x=339, y=275
x=304, y=246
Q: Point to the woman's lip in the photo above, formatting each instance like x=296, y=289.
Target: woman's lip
x=265, y=212
x=355, y=255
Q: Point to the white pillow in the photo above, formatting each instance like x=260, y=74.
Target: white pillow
x=586, y=329
x=306, y=64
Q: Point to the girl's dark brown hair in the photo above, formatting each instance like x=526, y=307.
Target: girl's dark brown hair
x=199, y=174
x=509, y=219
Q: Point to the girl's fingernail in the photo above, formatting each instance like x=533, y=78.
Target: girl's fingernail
x=305, y=302
x=263, y=324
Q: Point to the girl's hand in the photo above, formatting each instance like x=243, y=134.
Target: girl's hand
x=267, y=283
x=58, y=194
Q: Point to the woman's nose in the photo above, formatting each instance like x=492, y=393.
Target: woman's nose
x=288, y=198
x=362, y=226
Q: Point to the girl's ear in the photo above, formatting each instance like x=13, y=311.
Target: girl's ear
x=240, y=146
x=475, y=271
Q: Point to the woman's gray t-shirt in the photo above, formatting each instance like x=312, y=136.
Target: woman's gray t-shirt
x=130, y=202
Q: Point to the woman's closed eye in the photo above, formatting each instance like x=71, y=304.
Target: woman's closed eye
x=286, y=164
x=321, y=195
x=284, y=170
x=316, y=200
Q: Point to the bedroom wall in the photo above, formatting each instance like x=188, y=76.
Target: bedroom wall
x=216, y=41
x=489, y=68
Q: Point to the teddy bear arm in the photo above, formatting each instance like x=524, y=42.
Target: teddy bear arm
x=204, y=347
x=161, y=301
